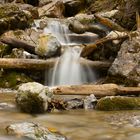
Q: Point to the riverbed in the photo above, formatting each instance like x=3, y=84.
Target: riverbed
x=75, y=124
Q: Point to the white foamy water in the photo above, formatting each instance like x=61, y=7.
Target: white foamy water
x=67, y=70
x=59, y=30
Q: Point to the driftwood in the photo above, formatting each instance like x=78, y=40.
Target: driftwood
x=98, y=90
x=16, y=43
x=89, y=48
x=109, y=23
x=36, y=64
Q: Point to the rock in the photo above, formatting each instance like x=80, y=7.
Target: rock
x=30, y=36
x=48, y=46
x=118, y=103
x=84, y=18
x=102, y=5
x=126, y=67
x=72, y=7
x=16, y=53
x=75, y=103
x=33, y=97
x=13, y=17
x=7, y=106
x=126, y=16
x=33, y=131
x=32, y=2
x=54, y=9
x=90, y=102
x=10, y=79
x=44, y=2
x=135, y=121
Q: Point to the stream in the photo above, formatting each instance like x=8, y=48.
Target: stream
x=75, y=124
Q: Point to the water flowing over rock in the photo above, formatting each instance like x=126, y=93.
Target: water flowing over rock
x=67, y=70
x=126, y=67
x=33, y=131
x=33, y=97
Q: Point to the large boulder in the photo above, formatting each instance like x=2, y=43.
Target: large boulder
x=33, y=97
x=126, y=67
x=48, y=46
x=33, y=131
x=12, y=16
x=72, y=7
x=118, y=103
x=54, y=9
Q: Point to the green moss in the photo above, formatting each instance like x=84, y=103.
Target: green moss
x=118, y=103
x=12, y=79
x=4, y=50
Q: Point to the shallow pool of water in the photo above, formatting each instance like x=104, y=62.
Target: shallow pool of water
x=77, y=124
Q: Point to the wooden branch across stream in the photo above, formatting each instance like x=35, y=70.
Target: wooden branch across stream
x=98, y=90
x=38, y=64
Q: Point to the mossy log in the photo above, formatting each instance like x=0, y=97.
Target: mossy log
x=98, y=90
x=38, y=64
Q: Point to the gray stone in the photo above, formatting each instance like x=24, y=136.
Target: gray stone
x=90, y=102
x=33, y=131
x=54, y=9
x=126, y=67
x=13, y=16
x=33, y=97
x=48, y=46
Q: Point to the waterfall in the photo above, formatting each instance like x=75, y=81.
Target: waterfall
x=67, y=70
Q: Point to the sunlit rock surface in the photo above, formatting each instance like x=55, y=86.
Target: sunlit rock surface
x=33, y=97
x=33, y=131
x=126, y=67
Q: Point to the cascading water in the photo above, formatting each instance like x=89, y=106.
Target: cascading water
x=67, y=70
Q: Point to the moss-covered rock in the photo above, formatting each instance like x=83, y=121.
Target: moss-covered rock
x=13, y=16
x=33, y=97
x=118, y=103
x=10, y=79
x=48, y=46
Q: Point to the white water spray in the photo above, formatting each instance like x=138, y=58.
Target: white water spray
x=67, y=70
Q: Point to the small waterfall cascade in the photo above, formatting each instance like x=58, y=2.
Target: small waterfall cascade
x=59, y=30
x=67, y=70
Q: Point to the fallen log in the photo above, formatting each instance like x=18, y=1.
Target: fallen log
x=15, y=43
x=89, y=48
x=98, y=90
x=38, y=64
x=109, y=23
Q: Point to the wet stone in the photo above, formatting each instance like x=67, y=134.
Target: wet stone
x=33, y=131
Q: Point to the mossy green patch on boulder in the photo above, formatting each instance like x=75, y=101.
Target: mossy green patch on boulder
x=33, y=97
x=118, y=103
x=12, y=79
